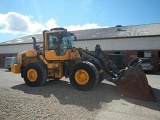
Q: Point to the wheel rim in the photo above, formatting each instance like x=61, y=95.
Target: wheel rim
x=81, y=77
x=32, y=75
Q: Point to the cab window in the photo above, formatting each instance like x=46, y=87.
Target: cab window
x=52, y=42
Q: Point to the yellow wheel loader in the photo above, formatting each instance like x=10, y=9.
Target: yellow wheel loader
x=59, y=58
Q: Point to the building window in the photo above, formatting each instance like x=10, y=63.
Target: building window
x=158, y=53
x=140, y=54
x=144, y=54
x=147, y=54
x=117, y=52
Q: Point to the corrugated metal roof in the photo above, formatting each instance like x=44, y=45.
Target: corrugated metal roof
x=26, y=39
x=125, y=31
x=101, y=33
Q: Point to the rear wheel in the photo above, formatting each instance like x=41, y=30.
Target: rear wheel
x=35, y=74
x=84, y=76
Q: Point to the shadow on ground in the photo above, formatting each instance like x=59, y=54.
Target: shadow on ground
x=91, y=100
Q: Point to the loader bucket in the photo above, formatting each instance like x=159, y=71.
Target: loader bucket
x=134, y=83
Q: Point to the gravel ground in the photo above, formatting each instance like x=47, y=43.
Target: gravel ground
x=59, y=100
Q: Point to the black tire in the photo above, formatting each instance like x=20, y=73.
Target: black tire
x=35, y=74
x=99, y=68
x=91, y=73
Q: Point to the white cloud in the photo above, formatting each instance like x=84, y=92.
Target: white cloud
x=51, y=24
x=16, y=23
x=2, y=19
x=83, y=27
x=35, y=28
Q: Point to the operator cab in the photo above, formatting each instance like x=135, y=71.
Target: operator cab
x=58, y=42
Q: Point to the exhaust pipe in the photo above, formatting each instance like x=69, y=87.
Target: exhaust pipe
x=34, y=42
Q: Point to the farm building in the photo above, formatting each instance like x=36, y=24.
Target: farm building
x=131, y=41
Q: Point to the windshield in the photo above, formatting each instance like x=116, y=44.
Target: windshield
x=68, y=40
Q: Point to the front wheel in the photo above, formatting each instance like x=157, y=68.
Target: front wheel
x=35, y=74
x=84, y=76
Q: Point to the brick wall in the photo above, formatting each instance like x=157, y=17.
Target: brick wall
x=130, y=54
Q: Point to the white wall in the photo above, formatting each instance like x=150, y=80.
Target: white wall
x=143, y=43
x=16, y=48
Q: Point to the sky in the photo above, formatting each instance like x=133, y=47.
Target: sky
x=19, y=18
